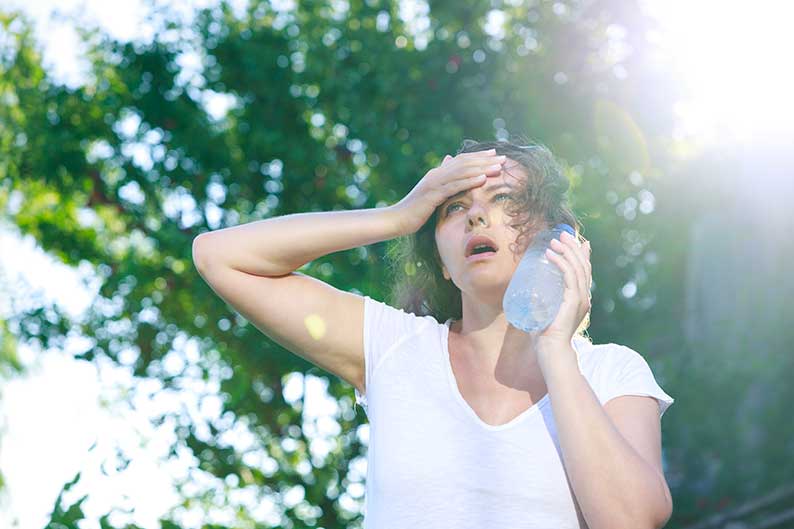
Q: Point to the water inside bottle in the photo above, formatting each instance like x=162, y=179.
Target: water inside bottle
x=533, y=307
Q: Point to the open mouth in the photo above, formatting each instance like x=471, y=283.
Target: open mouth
x=481, y=252
x=480, y=244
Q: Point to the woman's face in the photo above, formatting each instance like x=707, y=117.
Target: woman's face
x=480, y=211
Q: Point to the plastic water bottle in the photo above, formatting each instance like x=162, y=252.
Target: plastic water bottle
x=534, y=294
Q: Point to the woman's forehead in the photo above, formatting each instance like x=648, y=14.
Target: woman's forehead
x=512, y=175
x=513, y=171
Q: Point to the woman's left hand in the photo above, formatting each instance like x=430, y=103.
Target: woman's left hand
x=573, y=258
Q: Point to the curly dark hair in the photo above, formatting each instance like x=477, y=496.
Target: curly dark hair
x=540, y=202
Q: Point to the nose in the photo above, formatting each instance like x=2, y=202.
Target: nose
x=477, y=215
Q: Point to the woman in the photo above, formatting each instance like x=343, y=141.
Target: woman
x=473, y=423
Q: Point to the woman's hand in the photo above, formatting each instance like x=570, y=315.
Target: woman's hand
x=459, y=173
x=573, y=258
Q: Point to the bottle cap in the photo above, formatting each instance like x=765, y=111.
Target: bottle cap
x=565, y=227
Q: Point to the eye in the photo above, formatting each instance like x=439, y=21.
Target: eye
x=453, y=204
x=447, y=210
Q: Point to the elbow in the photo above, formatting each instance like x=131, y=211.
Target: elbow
x=666, y=511
x=659, y=517
x=199, y=253
x=654, y=517
x=665, y=515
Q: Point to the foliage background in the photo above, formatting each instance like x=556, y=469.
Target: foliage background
x=340, y=109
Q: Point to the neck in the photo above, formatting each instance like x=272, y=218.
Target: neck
x=497, y=349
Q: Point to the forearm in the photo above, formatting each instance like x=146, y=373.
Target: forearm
x=614, y=486
x=278, y=246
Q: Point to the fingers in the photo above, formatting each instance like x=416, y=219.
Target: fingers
x=576, y=252
x=468, y=170
x=479, y=157
x=461, y=184
x=558, y=257
x=575, y=261
x=461, y=169
x=477, y=153
x=485, y=164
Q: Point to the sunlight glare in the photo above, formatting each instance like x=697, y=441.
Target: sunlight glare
x=733, y=60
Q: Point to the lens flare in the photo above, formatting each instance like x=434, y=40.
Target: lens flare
x=733, y=60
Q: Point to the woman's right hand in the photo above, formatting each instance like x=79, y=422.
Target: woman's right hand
x=455, y=174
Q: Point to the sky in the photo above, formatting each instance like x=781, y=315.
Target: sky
x=83, y=404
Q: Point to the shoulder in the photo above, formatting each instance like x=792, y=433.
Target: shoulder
x=622, y=356
x=607, y=359
x=605, y=352
x=619, y=370
x=385, y=308
x=384, y=319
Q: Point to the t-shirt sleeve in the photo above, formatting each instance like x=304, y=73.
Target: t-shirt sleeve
x=629, y=374
x=385, y=327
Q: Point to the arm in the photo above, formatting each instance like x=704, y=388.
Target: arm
x=277, y=246
x=614, y=485
x=251, y=267
x=612, y=454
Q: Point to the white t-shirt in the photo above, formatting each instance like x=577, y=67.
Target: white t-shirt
x=432, y=463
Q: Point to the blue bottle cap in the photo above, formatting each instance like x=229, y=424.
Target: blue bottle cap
x=565, y=227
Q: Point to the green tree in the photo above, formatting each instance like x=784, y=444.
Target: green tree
x=333, y=109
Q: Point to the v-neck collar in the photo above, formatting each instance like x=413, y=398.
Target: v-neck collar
x=453, y=384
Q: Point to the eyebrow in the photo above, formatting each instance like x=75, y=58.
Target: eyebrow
x=487, y=189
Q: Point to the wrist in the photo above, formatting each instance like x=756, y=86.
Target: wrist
x=555, y=356
x=396, y=221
